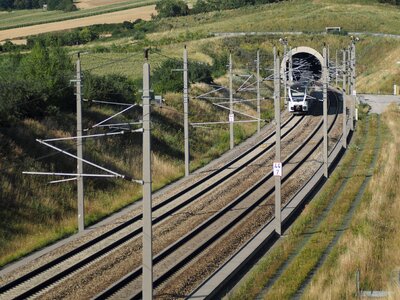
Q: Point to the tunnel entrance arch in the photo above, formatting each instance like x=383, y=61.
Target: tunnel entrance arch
x=305, y=59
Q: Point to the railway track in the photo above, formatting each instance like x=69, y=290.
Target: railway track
x=182, y=254
x=70, y=263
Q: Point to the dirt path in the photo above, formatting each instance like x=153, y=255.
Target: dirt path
x=144, y=13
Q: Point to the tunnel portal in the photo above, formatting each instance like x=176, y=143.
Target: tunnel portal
x=307, y=64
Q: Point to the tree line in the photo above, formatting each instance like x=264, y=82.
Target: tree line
x=174, y=8
x=66, y=5
x=37, y=84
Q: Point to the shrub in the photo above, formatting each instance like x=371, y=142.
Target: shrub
x=109, y=88
x=171, y=8
x=165, y=80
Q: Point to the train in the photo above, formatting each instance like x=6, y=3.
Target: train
x=299, y=98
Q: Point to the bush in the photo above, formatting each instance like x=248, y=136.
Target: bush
x=108, y=88
x=202, y=6
x=40, y=80
x=171, y=8
x=165, y=80
x=220, y=63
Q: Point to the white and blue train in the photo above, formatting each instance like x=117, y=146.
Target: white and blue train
x=299, y=98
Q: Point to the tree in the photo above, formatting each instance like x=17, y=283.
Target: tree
x=171, y=8
x=109, y=88
x=165, y=80
x=47, y=71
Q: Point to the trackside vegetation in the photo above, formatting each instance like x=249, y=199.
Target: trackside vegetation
x=370, y=244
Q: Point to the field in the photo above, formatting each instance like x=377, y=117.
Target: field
x=377, y=56
x=108, y=18
x=22, y=18
x=85, y=4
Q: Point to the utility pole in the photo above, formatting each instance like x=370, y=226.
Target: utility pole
x=344, y=100
x=278, y=163
x=284, y=75
x=231, y=115
x=351, y=88
x=290, y=68
x=325, y=109
x=186, y=111
x=353, y=75
x=258, y=92
x=79, y=146
x=284, y=42
x=147, y=279
x=336, y=69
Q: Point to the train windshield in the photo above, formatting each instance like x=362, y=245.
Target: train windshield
x=297, y=96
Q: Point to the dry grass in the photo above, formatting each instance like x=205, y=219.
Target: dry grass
x=292, y=278
x=371, y=244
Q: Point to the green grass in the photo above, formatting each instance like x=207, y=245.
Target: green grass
x=376, y=56
x=302, y=15
x=22, y=18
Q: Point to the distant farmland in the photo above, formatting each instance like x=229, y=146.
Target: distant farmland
x=85, y=4
x=144, y=13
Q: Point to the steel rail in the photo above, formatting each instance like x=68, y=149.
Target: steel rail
x=190, y=256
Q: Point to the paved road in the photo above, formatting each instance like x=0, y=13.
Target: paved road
x=379, y=103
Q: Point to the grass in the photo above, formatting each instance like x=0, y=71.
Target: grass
x=263, y=272
x=371, y=243
x=376, y=56
x=22, y=18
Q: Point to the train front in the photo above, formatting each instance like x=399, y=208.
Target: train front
x=298, y=102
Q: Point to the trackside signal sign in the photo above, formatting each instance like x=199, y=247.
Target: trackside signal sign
x=277, y=168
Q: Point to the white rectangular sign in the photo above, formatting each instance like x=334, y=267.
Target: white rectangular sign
x=354, y=93
x=231, y=118
x=277, y=167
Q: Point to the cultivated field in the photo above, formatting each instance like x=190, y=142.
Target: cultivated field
x=85, y=4
x=21, y=18
x=109, y=18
